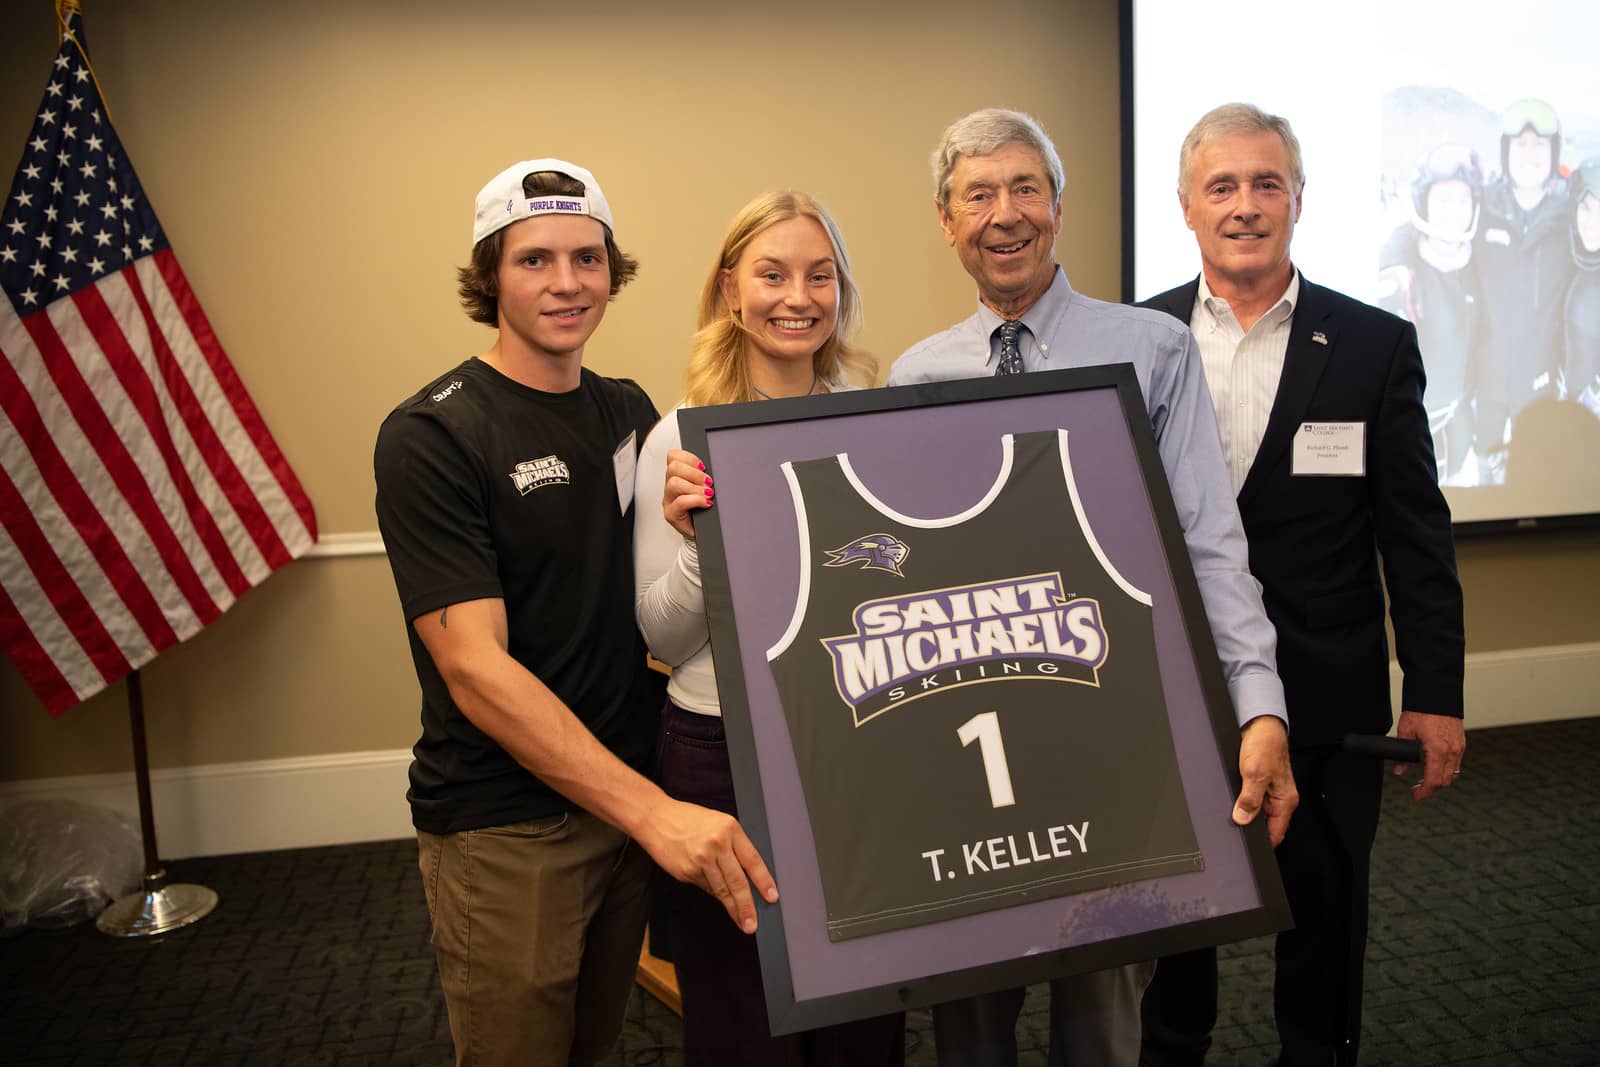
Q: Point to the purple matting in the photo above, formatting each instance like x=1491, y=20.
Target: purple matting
x=930, y=462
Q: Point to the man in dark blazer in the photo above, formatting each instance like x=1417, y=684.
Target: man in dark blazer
x=1319, y=401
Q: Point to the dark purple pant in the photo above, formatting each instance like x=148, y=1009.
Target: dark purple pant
x=719, y=973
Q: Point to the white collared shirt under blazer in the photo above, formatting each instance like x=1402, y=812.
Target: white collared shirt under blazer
x=1242, y=370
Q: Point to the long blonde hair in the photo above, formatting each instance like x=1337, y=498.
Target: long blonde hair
x=718, y=373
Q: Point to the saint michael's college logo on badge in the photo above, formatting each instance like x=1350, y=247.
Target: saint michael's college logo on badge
x=875, y=552
x=534, y=474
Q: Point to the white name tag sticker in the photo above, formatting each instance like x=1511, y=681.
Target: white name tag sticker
x=1330, y=448
x=622, y=461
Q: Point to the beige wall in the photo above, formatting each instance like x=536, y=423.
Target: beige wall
x=314, y=166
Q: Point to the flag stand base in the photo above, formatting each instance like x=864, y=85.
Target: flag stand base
x=160, y=907
x=157, y=909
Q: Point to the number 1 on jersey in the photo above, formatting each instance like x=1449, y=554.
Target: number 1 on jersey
x=985, y=729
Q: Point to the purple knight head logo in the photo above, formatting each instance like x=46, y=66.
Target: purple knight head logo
x=875, y=552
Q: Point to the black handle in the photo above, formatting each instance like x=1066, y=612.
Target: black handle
x=1398, y=749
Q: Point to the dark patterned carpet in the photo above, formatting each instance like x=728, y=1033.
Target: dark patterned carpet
x=1485, y=948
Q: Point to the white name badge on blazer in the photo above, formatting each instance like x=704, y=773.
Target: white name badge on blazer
x=1330, y=448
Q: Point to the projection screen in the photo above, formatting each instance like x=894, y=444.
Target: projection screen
x=1444, y=147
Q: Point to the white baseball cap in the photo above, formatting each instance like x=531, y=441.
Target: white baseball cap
x=502, y=201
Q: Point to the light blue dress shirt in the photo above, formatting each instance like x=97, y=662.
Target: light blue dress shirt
x=1067, y=329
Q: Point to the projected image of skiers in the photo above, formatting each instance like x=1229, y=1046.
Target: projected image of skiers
x=1452, y=177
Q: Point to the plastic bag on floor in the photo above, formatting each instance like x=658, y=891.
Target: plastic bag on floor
x=62, y=862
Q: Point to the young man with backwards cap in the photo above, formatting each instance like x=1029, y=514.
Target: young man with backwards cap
x=503, y=489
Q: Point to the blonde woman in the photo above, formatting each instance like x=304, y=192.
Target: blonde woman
x=775, y=314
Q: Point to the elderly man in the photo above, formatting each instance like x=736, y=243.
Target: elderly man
x=1319, y=400
x=998, y=186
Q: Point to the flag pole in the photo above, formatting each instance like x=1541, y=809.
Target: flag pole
x=141, y=774
x=120, y=310
x=157, y=908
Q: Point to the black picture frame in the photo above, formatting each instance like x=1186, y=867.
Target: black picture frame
x=931, y=450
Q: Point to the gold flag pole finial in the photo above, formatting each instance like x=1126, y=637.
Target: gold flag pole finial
x=65, y=9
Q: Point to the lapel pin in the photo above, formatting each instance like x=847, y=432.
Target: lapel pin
x=1319, y=337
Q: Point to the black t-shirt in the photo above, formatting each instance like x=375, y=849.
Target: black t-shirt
x=487, y=488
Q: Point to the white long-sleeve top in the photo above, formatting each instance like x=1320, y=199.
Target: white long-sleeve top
x=1242, y=370
x=668, y=599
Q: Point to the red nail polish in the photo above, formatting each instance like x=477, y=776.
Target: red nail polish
x=702, y=466
x=709, y=493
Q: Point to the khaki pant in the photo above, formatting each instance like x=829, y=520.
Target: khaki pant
x=1094, y=1022
x=536, y=928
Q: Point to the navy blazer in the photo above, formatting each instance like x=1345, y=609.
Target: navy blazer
x=1315, y=542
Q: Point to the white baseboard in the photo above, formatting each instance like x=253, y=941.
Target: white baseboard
x=335, y=546
x=1527, y=685
x=360, y=796
x=252, y=807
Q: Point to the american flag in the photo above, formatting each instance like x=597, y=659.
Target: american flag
x=140, y=492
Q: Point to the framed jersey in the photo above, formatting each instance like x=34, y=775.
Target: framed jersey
x=974, y=711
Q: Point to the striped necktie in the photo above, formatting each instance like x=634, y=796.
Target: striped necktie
x=1010, y=351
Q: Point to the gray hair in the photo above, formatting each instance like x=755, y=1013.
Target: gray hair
x=987, y=131
x=1238, y=118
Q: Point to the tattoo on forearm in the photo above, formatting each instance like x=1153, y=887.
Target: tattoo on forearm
x=443, y=621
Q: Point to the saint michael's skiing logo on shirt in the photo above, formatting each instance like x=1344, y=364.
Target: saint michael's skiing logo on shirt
x=534, y=474
x=905, y=647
